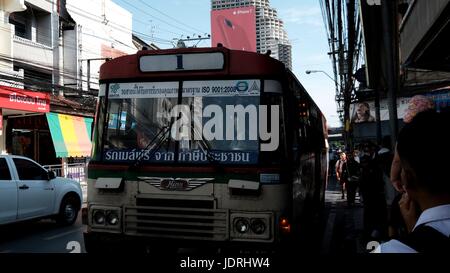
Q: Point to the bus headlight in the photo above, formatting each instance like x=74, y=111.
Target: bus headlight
x=247, y=226
x=112, y=218
x=106, y=218
x=258, y=226
x=99, y=217
x=241, y=225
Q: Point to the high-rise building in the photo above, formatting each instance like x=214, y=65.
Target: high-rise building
x=270, y=33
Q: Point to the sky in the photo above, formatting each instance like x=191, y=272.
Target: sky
x=162, y=21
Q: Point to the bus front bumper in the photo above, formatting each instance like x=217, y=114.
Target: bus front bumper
x=111, y=242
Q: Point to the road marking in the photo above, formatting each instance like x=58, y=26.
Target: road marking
x=63, y=234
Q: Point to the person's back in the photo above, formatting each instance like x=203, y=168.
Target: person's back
x=371, y=173
x=422, y=147
x=353, y=172
x=372, y=187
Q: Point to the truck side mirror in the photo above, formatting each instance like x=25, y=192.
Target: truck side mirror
x=51, y=175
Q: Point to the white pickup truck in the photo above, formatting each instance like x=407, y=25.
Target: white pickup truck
x=28, y=191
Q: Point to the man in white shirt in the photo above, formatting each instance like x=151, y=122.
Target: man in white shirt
x=422, y=146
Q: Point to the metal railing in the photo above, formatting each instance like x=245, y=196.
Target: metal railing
x=75, y=171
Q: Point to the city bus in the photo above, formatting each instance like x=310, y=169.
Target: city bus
x=203, y=147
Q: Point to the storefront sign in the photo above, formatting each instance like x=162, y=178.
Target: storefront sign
x=19, y=99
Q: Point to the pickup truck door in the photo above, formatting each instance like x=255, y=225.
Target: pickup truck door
x=35, y=191
x=8, y=194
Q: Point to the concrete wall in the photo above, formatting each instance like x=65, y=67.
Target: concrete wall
x=6, y=43
x=35, y=48
x=36, y=54
x=7, y=31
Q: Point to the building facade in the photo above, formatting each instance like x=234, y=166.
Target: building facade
x=50, y=55
x=270, y=32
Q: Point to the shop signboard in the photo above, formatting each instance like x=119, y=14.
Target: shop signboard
x=20, y=99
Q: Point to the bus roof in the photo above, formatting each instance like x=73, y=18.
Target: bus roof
x=236, y=63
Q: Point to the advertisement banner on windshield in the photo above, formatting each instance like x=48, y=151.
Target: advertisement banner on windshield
x=234, y=28
x=190, y=89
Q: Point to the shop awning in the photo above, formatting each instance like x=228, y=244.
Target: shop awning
x=71, y=135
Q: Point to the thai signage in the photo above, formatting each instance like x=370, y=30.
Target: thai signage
x=193, y=156
x=19, y=99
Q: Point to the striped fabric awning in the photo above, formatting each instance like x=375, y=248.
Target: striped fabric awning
x=71, y=135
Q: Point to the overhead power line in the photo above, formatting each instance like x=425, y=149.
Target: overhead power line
x=172, y=18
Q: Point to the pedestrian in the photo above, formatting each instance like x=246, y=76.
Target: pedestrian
x=416, y=105
x=423, y=148
x=356, y=155
x=341, y=172
x=353, y=173
x=372, y=187
x=385, y=157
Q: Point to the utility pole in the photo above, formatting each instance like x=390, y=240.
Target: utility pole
x=378, y=116
x=349, y=72
x=391, y=46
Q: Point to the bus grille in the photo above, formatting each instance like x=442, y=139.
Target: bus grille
x=176, y=219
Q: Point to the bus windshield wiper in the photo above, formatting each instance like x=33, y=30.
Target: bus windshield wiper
x=159, y=138
x=205, y=146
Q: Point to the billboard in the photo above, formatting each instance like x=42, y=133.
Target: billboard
x=234, y=28
x=365, y=111
x=361, y=112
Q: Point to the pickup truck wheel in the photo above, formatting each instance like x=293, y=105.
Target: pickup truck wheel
x=68, y=211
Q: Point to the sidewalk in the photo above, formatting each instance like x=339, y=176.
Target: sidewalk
x=344, y=225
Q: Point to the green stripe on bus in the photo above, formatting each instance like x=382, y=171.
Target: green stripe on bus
x=219, y=178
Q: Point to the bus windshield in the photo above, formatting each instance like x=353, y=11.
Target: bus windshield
x=219, y=122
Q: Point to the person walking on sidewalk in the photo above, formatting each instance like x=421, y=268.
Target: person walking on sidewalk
x=341, y=172
x=353, y=174
x=372, y=187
